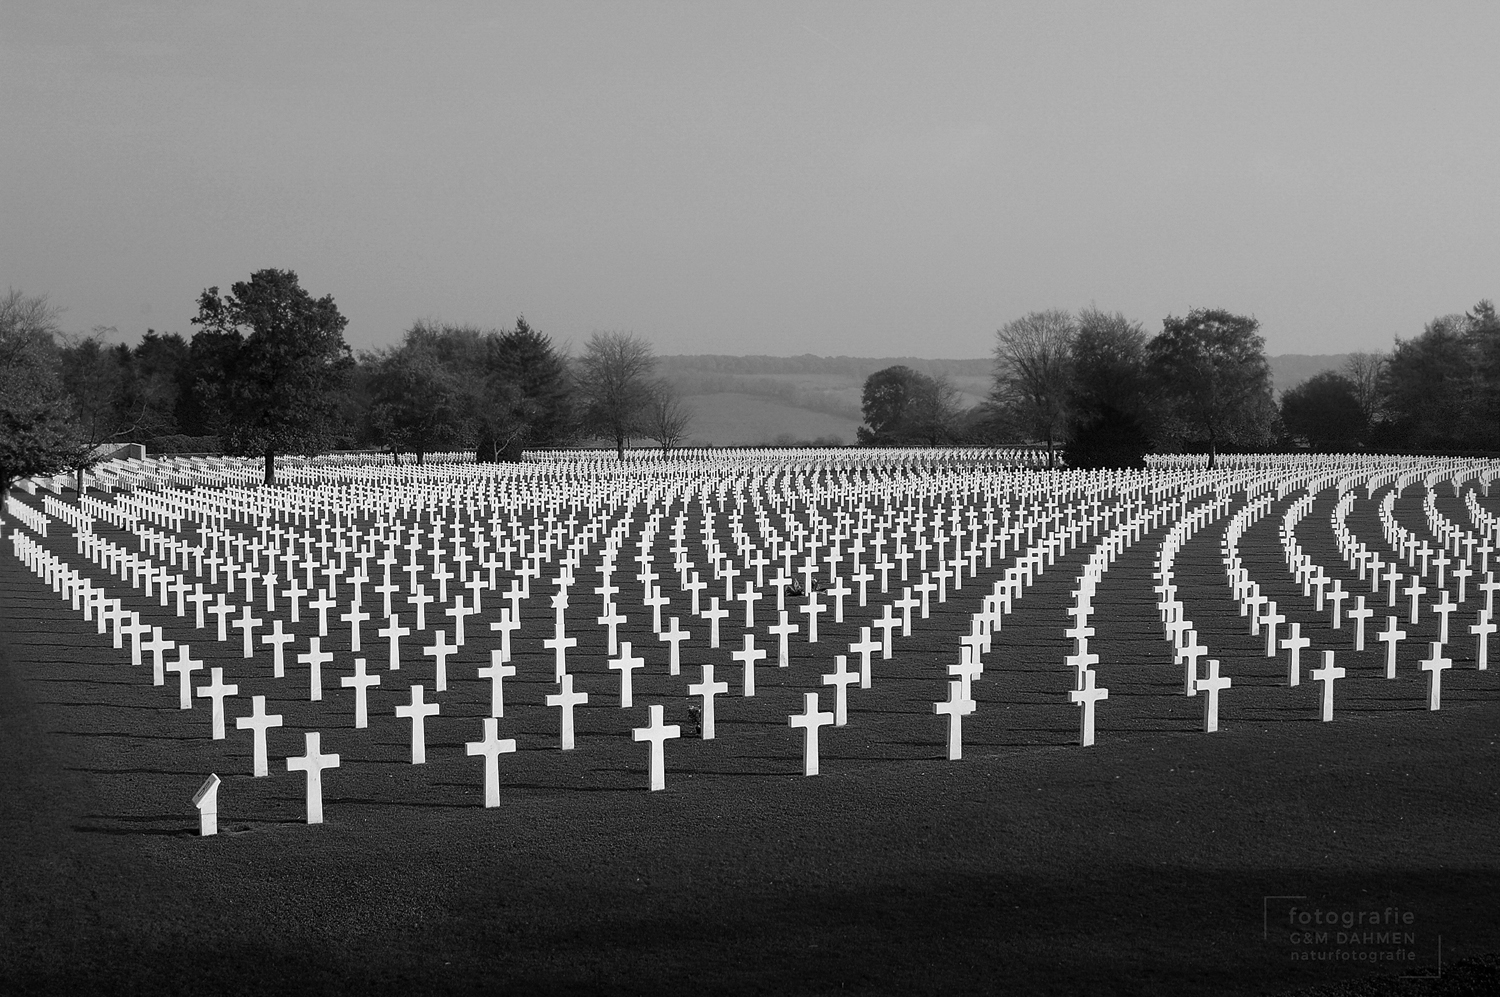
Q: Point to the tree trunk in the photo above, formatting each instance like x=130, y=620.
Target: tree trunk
x=78, y=481
x=270, y=467
x=620, y=446
x=1212, y=449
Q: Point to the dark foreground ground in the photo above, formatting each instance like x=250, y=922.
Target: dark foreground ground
x=1159, y=861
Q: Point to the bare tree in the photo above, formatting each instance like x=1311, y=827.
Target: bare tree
x=667, y=418
x=614, y=381
x=1034, y=372
x=1364, y=371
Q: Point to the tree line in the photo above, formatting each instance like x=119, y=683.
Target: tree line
x=267, y=371
x=1097, y=390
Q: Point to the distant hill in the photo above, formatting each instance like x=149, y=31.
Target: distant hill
x=759, y=399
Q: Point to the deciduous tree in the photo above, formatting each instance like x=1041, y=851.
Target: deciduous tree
x=37, y=434
x=1034, y=372
x=1215, y=379
x=282, y=362
x=614, y=378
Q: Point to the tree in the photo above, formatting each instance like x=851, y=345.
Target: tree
x=1034, y=372
x=418, y=401
x=1430, y=386
x=901, y=405
x=529, y=390
x=667, y=417
x=615, y=385
x=1214, y=378
x=96, y=378
x=37, y=434
x=1363, y=372
x=1325, y=411
x=280, y=386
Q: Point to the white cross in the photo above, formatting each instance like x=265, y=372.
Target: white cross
x=1272, y=619
x=838, y=590
x=708, y=689
x=135, y=629
x=1391, y=636
x=748, y=657
x=626, y=664
x=509, y=623
x=558, y=643
x=1327, y=674
x=440, y=650
x=315, y=658
x=417, y=711
x=658, y=733
x=257, y=722
x=957, y=706
x=886, y=623
x=1212, y=684
x=655, y=600
x=969, y=672
x=1414, y=591
x=420, y=600
x=840, y=679
x=354, y=618
x=278, y=639
x=360, y=682
x=1482, y=629
x=783, y=630
x=1434, y=666
x=1337, y=597
x=457, y=612
x=313, y=762
x=497, y=671
x=184, y=666
x=393, y=631
x=322, y=604
x=675, y=637
x=1086, y=697
x=1359, y=614
x=1443, y=608
x=612, y=619
x=566, y=700
x=215, y=691
x=491, y=747
x=864, y=647
x=810, y=719
x=714, y=615
x=1295, y=644
x=749, y=597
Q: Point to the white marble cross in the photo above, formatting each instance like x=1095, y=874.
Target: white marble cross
x=1391, y=636
x=1434, y=666
x=497, y=671
x=1211, y=685
x=708, y=689
x=315, y=658
x=257, y=723
x=748, y=657
x=313, y=762
x=360, y=682
x=440, y=650
x=215, y=692
x=1359, y=614
x=566, y=700
x=1482, y=629
x=1327, y=674
x=957, y=706
x=417, y=711
x=1087, y=697
x=626, y=664
x=840, y=678
x=1296, y=644
x=810, y=719
x=184, y=666
x=657, y=732
x=491, y=746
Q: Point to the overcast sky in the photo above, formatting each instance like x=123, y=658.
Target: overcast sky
x=870, y=179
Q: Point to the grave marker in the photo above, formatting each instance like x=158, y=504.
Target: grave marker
x=491, y=746
x=313, y=762
x=657, y=732
x=810, y=719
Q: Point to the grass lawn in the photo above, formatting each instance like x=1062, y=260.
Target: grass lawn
x=1141, y=865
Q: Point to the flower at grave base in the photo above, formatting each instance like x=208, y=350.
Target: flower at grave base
x=695, y=720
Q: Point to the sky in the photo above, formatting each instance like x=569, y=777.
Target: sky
x=864, y=179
